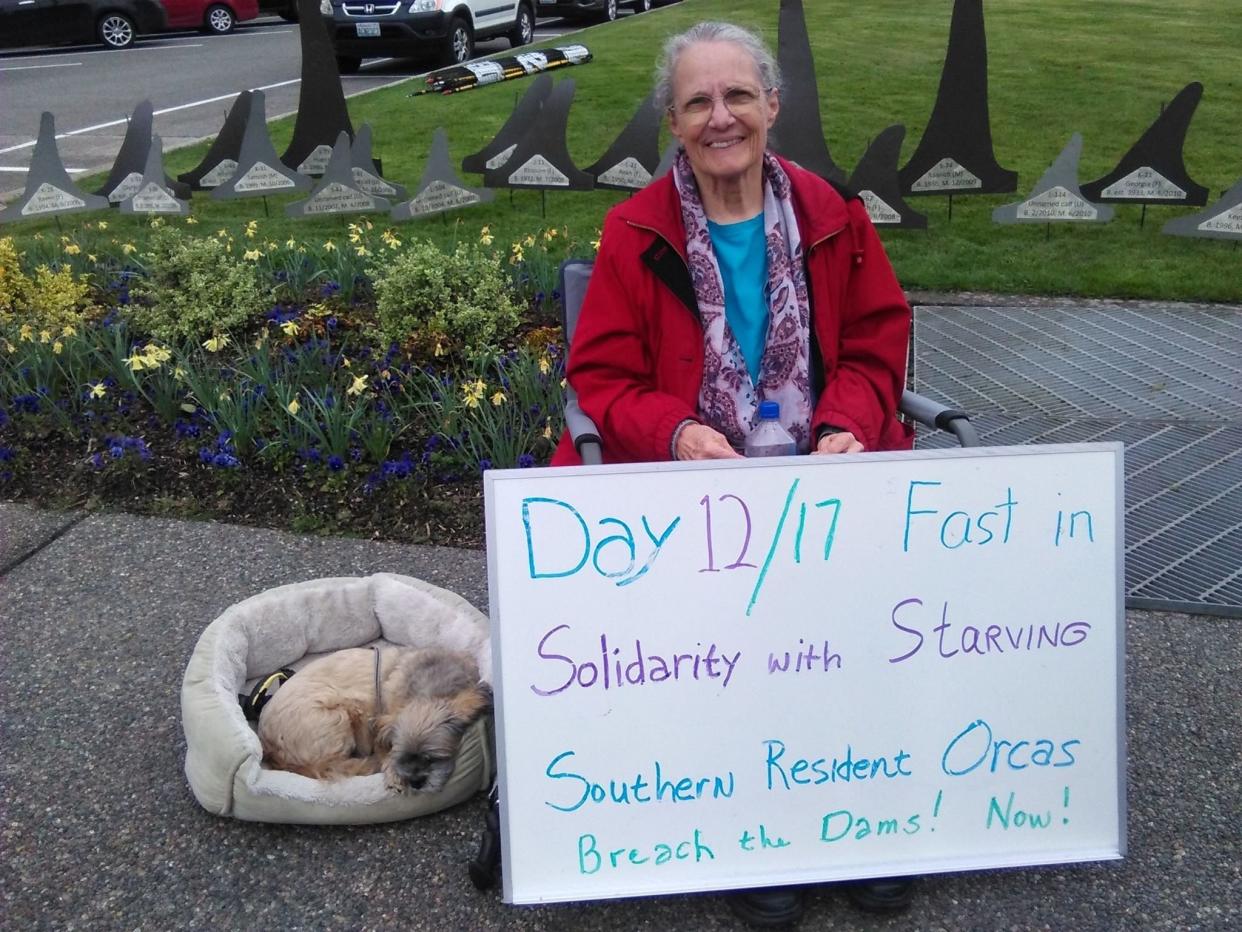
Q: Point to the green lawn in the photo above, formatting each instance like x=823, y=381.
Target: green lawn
x=1055, y=67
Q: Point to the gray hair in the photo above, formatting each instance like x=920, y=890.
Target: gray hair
x=765, y=64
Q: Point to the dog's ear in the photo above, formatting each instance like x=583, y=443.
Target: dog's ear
x=470, y=704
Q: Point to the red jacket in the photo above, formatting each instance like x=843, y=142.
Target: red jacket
x=637, y=354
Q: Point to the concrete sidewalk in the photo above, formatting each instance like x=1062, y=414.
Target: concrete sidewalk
x=99, y=614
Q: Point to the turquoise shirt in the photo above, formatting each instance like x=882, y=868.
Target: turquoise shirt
x=743, y=257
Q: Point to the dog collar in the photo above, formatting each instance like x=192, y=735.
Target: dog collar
x=379, y=696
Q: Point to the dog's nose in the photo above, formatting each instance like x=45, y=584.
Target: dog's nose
x=417, y=782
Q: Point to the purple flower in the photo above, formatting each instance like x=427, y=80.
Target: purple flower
x=526, y=461
x=335, y=463
x=485, y=464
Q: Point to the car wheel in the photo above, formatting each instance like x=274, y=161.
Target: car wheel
x=348, y=64
x=219, y=20
x=642, y=6
x=524, y=28
x=609, y=12
x=115, y=30
x=459, y=47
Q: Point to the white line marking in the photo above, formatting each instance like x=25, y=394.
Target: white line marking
x=111, y=123
x=7, y=168
x=68, y=64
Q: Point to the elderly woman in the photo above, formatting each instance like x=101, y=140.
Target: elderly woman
x=736, y=278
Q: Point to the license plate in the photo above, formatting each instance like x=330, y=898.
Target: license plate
x=370, y=30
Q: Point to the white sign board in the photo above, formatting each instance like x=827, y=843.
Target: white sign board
x=764, y=672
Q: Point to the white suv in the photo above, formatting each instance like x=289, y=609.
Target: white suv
x=368, y=28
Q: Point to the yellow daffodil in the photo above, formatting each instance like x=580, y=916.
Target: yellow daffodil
x=26, y=332
x=440, y=350
x=549, y=234
x=530, y=240
x=45, y=336
x=547, y=429
x=90, y=256
x=595, y=242
x=9, y=347
x=290, y=243
x=179, y=375
x=222, y=233
x=293, y=407
x=157, y=353
x=470, y=399
x=359, y=384
x=157, y=222
x=190, y=221
x=252, y=228
x=563, y=383
x=290, y=328
x=57, y=347
x=128, y=248
x=498, y=399
x=68, y=331
x=329, y=246
x=252, y=255
x=485, y=236
x=545, y=364
x=103, y=224
x=216, y=343
x=390, y=238
x=355, y=233
x=345, y=362
x=98, y=390
x=362, y=251
x=137, y=362
x=73, y=249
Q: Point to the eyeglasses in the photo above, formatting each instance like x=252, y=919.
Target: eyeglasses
x=739, y=101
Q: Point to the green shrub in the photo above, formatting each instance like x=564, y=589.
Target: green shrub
x=195, y=287
x=52, y=299
x=458, y=302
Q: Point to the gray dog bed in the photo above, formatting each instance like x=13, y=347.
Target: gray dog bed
x=289, y=627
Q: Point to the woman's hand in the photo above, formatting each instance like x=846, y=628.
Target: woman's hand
x=700, y=442
x=841, y=442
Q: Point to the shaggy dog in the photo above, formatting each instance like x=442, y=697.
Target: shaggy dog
x=339, y=717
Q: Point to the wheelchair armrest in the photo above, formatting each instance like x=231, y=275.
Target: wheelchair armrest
x=933, y=414
x=583, y=431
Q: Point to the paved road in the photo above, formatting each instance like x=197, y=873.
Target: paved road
x=190, y=79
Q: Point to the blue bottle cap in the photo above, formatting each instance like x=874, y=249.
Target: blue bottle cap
x=769, y=410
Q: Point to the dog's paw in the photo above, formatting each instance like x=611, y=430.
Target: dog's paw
x=392, y=780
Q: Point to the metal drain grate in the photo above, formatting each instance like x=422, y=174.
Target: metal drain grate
x=1167, y=382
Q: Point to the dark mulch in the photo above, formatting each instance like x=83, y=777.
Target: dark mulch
x=51, y=471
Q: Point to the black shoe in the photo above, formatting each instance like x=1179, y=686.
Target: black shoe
x=768, y=907
x=881, y=895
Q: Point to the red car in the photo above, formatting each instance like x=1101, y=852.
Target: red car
x=212, y=16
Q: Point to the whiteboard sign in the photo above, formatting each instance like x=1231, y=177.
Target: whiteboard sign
x=765, y=672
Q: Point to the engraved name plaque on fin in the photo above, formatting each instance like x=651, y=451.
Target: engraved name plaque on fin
x=632, y=158
x=440, y=189
x=131, y=160
x=49, y=189
x=336, y=192
x=1222, y=220
x=220, y=161
x=955, y=155
x=259, y=170
x=1153, y=171
x=798, y=133
x=1056, y=196
x=153, y=194
x=366, y=175
x=875, y=180
x=541, y=159
x=519, y=123
x=322, y=113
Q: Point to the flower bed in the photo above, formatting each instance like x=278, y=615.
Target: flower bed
x=360, y=386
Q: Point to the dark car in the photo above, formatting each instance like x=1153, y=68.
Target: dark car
x=115, y=23
x=603, y=10
x=400, y=28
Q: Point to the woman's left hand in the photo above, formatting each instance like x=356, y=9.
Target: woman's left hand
x=841, y=442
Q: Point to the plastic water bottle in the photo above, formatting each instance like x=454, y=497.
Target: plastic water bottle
x=769, y=438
